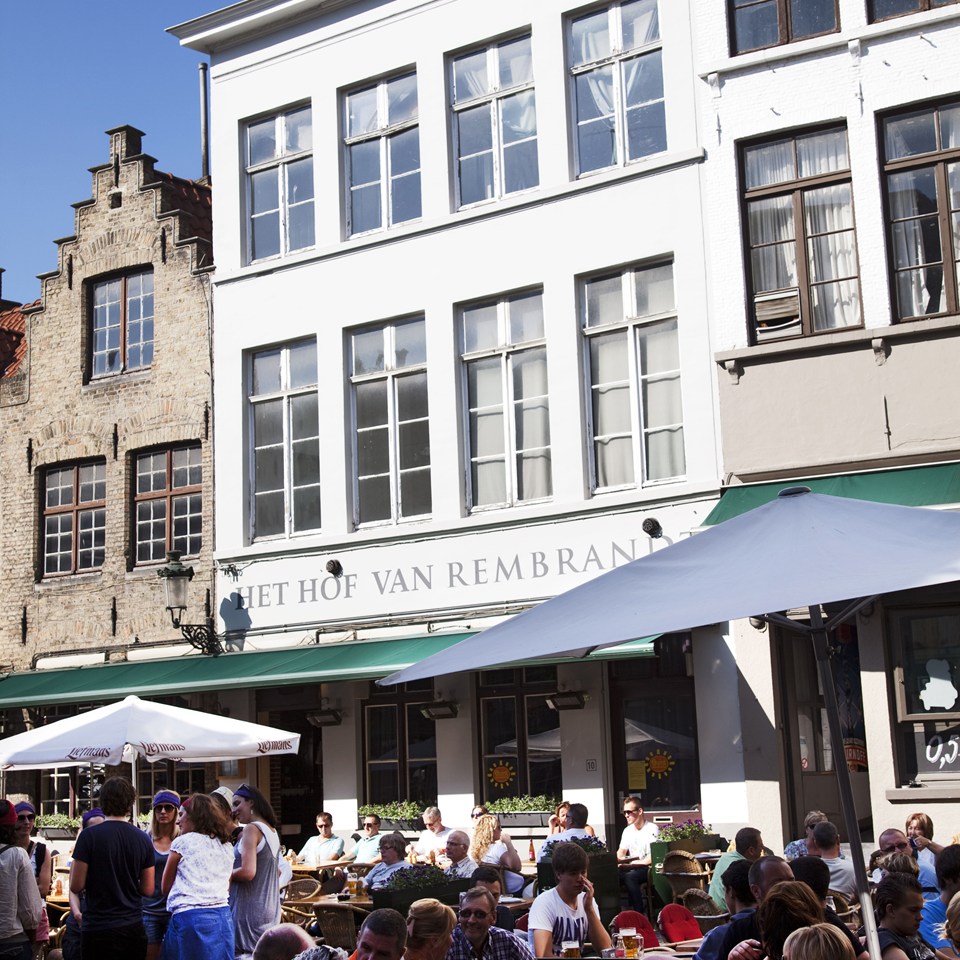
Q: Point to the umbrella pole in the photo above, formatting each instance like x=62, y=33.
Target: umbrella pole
x=821, y=649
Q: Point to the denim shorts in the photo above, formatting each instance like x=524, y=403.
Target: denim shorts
x=156, y=926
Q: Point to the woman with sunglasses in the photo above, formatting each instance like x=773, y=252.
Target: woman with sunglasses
x=254, y=883
x=21, y=905
x=39, y=855
x=163, y=831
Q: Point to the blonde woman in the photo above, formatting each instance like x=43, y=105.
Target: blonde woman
x=429, y=930
x=822, y=941
x=489, y=845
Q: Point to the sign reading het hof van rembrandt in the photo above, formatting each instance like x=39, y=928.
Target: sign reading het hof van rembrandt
x=452, y=572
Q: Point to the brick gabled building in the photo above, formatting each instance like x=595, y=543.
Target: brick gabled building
x=105, y=419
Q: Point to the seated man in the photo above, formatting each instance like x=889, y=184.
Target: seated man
x=476, y=938
x=458, y=843
x=434, y=838
x=740, y=902
x=489, y=878
x=895, y=841
x=935, y=910
x=393, y=848
x=324, y=846
x=814, y=872
x=576, y=827
x=367, y=849
x=282, y=942
x=567, y=911
x=826, y=838
x=635, y=850
x=382, y=936
x=748, y=845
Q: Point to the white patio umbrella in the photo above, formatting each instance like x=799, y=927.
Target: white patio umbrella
x=134, y=729
x=800, y=550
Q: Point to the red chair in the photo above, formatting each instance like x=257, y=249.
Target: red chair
x=678, y=923
x=522, y=922
x=630, y=918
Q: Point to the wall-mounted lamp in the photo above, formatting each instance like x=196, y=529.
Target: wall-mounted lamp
x=567, y=700
x=440, y=710
x=324, y=718
x=758, y=623
x=651, y=527
x=335, y=568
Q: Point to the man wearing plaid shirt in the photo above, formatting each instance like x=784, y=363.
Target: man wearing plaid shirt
x=476, y=938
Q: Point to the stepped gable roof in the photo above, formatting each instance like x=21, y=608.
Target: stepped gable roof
x=13, y=338
x=193, y=199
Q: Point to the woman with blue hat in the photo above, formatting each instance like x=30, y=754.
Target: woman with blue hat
x=163, y=831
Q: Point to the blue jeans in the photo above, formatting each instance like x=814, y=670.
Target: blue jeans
x=156, y=925
x=205, y=933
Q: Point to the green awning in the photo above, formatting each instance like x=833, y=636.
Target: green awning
x=909, y=487
x=323, y=663
x=271, y=668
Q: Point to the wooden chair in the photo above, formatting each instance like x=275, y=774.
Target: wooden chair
x=707, y=914
x=338, y=924
x=683, y=872
x=303, y=888
x=848, y=912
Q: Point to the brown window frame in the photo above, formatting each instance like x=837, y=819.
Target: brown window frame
x=938, y=160
x=124, y=346
x=795, y=188
x=785, y=33
x=922, y=6
x=75, y=508
x=168, y=494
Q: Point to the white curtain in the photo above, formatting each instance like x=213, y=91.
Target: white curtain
x=832, y=257
x=470, y=76
x=773, y=239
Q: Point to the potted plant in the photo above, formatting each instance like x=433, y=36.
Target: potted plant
x=414, y=883
x=694, y=836
x=523, y=811
x=397, y=815
x=57, y=826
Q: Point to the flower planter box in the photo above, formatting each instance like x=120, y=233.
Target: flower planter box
x=532, y=818
x=388, y=825
x=58, y=833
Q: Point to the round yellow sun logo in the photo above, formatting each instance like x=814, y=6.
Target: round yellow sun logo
x=659, y=764
x=501, y=773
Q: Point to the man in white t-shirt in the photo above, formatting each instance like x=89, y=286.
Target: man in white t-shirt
x=567, y=911
x=635, y=850
x=434, y=838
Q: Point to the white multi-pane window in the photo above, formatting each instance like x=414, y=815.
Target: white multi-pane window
x=279, y=167
x=382, y=161
x=392, y=439
x=636, y=416
x=616, y=67
x=285, y=432
x=495, y=121
x=122, y=324
x=169, y=503
x=505, y=377
x=74, y=518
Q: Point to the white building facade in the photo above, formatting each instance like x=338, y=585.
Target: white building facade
x=832, y=138
x=462, y=354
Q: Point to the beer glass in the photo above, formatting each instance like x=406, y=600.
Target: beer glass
x=570, y=950
x=632, y=943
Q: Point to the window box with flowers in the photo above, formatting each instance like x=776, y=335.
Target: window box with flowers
x=524, y=811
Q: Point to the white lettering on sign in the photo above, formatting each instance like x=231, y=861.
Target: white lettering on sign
x=942, y=753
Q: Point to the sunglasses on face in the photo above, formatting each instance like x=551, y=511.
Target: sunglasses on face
x=25, y=817
x=902, y=845
x=369, y=826
x=475, y=914
x=477, y=816
x=165, y=807
x=630, y=813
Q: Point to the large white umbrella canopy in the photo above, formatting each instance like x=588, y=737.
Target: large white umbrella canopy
x=795, y=551
x=133, y=728
x=800, y=550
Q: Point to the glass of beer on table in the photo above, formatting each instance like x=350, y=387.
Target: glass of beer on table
x=632, y=943
x=570, y=950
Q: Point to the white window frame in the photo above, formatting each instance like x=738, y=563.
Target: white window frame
x=384, y=133
x=617, y=58
x=280, y=162
x=391, y=373
x=494, y=97
x=507, y=351
x=630, y=324
x=285, y=394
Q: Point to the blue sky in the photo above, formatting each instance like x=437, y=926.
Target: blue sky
x=69, y=70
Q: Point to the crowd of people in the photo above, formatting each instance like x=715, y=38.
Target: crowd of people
x=205, y=881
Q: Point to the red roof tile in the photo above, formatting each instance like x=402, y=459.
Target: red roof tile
x=193, y=199
x=13, y=339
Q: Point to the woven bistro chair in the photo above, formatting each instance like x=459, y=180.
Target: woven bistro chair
x=683, y=872
x=303, y=888
x=847, y=911
x=338, y=924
